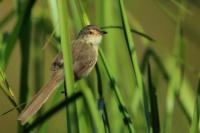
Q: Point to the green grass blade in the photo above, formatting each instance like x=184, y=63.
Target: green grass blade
x=133, y=56
x=196, y=115
x=101, y=102
x=66, y=102
x=84, y=16
x=132, y=30
x=89, y=99
x=186, y=95
x=54, y=16
x=5, y=87
x=122, y=107
x=83, y=116
x=104, y=10
x=25, y=37
x=138, y=25
x=72, y=123
x=151, y=54
x=17, y=29
x=76, y=15
x=153, y=102
x=65, y=45
x=130, y=45
x=176, y=75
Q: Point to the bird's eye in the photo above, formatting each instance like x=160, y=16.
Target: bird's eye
x=90, y=32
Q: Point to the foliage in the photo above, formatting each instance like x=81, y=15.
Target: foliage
x=122, y=94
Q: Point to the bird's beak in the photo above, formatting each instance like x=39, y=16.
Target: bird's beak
x=103, y=32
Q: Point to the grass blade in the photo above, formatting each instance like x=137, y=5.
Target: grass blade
x=72, y=124
x=133, y=56
x=15, y=108
x=17, y=30
x=150, y=54
x=54, y=110
x=76, y=15
x=92, y=108
x=132, y=30
x=5, y=87
x=196, y=115
x=54, y=16
x=101, y=102
x=122, y=107
x=153, y=102
x=176, y=74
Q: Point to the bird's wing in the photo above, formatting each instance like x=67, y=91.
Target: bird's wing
x=57, y=63
x=84, y=58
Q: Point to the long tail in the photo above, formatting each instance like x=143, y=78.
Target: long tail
x=41, y=97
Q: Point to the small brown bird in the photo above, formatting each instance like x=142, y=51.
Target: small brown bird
x=84, y=55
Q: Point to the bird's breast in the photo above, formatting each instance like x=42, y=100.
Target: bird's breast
x=84, y=58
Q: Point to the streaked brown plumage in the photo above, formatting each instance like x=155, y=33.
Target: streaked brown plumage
x=84, y=55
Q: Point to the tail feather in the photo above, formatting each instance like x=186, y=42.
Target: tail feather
x=41, y=97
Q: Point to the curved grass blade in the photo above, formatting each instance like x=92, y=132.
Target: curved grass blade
x=132, y=30
x=149, y=53
x=185, y=92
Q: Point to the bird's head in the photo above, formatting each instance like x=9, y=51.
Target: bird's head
x=91, y=34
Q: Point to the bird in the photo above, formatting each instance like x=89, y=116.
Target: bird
x=84, y=57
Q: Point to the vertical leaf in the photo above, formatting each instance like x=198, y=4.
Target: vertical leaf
x=196, y=115
x=67, y=57
x=153, y=102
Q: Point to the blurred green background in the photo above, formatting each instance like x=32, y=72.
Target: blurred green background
x=156, y=18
